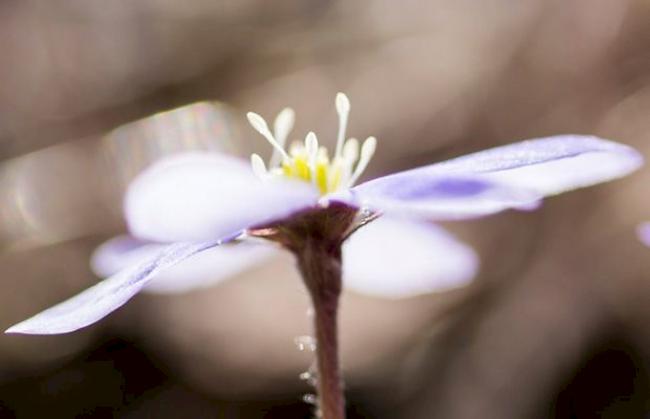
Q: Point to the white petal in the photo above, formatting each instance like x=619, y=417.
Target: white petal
x=399, y=258
x=108, y=295
x=198, y=196
x=203, y=270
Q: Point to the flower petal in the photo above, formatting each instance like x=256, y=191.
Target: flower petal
x=499, y=178
x=643, y=233
x=198, y=196
x=108, y=295
x=436, y=197
x=399, y=258
x=120, y=253
x=549, y=165
x=201, y=271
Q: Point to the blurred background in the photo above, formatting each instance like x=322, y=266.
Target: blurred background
x=556, y=323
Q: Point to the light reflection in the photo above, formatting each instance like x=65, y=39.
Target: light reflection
x=41, y=195
x=199, y=126
x=74, y=189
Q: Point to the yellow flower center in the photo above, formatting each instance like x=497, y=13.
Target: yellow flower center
x=308, y=161
x=325, y=175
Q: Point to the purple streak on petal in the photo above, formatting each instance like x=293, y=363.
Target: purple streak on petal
x=510, y=174
x=401, y=258
x=108, y=295
x=205, y=269
x=436, y=197
x=549, y=165
x=448, y=188
x=643, y=233
x=196, y=196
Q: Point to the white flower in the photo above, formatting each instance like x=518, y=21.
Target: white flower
x=200, y=201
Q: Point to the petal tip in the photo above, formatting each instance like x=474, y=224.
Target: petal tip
x=13, y=330
x=25, y=328
x=630, y=159
x=643, y=233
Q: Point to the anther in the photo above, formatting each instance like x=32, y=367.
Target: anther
x=282, y=126
x=367, y=151
x=258, y=166
x=343, y=110
x=260, y=126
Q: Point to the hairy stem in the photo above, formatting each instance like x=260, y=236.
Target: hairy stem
x=320, y=266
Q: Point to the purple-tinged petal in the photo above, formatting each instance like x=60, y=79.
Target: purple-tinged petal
x=643, y=233
x=205, y=269
x=401, y=258
x=499, y=178
x=108, y=295
x=121, y=252
x=436, y=197
x=197, y=196
x=550, y=165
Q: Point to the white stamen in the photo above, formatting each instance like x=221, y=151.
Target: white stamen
x=351, y=151
x=258, y=166
x=350, y=160
x=311, y=146
x=343, y=110
x=367, y=150
x=346, y=162
x=282, y=126
x=260, y=126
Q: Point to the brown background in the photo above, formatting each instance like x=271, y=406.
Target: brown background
x=556, y=325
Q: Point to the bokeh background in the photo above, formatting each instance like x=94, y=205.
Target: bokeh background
x=555, y=325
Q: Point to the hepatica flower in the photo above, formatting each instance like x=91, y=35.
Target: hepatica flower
x=306, y=201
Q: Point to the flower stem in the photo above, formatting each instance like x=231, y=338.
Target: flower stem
x=320, y=266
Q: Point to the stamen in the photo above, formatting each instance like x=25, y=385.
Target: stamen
x=308, y=161
x=351, y=151
x=258, y=166
x=343, y=110
x=311, y=147
x=341, y=170
x=260, y=126
x=282, y=126
x=367, y=150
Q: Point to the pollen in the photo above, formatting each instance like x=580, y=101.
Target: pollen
x=307, y=160
x=319, y=171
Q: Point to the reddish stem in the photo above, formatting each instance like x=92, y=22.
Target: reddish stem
x=321, y=270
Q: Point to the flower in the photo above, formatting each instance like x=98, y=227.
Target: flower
x=200, y=201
